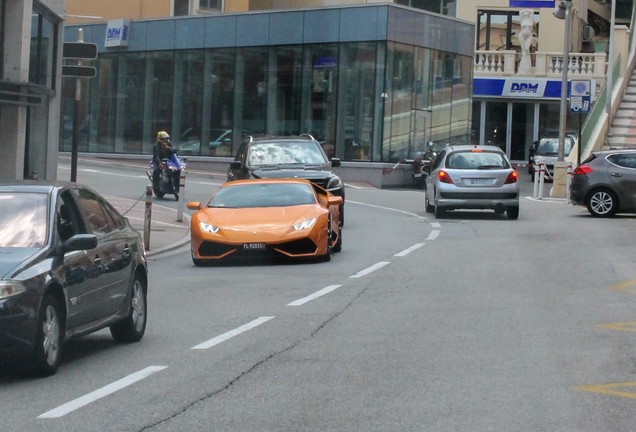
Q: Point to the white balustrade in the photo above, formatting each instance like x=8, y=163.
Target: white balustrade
x=546, y=64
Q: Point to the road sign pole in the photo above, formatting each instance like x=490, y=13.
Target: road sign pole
x=75, y=140
x=76, y=114
x=580, y=143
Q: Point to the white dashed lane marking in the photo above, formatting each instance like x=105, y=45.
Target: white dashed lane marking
x=228, y=335
x=314, y=296
x=102, y=392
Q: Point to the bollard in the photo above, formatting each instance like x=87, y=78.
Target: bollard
x=568, y=179
x=541, y=178
x=182, y=196
x=536, y=181
x=147, y=217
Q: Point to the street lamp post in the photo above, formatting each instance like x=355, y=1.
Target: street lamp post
x=564, y=12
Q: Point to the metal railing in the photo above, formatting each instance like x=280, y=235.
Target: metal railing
x=598, y=109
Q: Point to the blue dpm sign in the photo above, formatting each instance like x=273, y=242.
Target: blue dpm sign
x=580, y=96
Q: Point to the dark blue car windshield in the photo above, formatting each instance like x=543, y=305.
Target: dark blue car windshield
x=23, y=220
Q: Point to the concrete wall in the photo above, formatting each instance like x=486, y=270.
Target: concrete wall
x=81, y=11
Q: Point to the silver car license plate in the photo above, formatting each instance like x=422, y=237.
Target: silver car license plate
x=480, y=181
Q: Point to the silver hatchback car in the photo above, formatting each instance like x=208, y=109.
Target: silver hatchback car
x=472, y=177
x=606, y=183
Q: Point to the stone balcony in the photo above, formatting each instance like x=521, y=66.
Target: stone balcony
x=544, y=65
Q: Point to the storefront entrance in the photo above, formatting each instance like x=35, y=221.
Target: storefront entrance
x=511, y=126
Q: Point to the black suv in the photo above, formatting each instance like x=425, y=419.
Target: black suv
x=287, y=156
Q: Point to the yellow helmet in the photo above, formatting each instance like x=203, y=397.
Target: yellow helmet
x=163, y=136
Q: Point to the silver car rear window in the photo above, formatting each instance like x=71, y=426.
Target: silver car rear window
x=476, y=160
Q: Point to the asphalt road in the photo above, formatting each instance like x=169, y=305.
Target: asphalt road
x=469, y=323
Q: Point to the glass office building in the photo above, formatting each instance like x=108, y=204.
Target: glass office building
x=370, y=82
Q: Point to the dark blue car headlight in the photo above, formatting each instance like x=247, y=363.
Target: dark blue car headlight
x=9, y=288
x=334, y=183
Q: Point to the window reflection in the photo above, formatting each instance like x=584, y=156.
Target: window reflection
x=23, y=220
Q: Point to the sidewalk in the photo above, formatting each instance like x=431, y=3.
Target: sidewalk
x=166, y=233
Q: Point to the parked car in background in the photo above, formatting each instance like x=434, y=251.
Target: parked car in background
x=606, y=183
x=70, y=264
x=189, y=142
x=547, y=149
x=291, y=218
x=472, y=177
x=287, y=156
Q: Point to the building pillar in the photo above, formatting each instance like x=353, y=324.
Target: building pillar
x=13, y=118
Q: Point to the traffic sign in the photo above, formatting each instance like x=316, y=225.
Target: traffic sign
x=580, y=96
x=79, y=71
x=79, y=50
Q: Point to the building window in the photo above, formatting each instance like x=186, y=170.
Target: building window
x=437, y=6
x=181, y=7
x=42, y=60
x=498, y=30
x=210, y=4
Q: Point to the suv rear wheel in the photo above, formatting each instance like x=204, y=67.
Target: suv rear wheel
x=602, y=203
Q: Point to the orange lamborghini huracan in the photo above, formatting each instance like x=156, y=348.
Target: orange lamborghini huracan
x=266, y=217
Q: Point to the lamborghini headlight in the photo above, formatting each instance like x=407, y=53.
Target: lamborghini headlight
x=208, y=228
x=305, y=224
x=10, y=288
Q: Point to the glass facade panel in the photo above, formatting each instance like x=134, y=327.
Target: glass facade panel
x=400, y=75
x=132, y=78
x=461, y=107
x=251, y=75
x=359, y=101
x=287, y=89
x=363, y=101
x=160, y=69
x=322, y=63
x=442, y=97
x=218, y=105
x=189, y=75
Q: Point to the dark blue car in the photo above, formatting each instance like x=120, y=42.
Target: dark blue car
x=70, y=264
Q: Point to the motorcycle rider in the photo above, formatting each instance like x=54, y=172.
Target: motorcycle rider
x=163, y=150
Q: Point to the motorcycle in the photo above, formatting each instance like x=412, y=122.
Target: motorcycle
x=169, y=176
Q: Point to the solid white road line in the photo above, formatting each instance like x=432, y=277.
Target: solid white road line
x=102, y=392
x=315, y=295
x=370, y=269
x=407, y=251
x=237, y=331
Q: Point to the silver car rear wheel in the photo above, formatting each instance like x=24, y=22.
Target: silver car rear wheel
x=439, y=211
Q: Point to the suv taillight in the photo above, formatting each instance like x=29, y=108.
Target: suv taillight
x=443, y=177
x=512, y=177
x=582, y=169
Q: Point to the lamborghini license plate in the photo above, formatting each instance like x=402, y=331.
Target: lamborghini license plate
x=254, y=246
